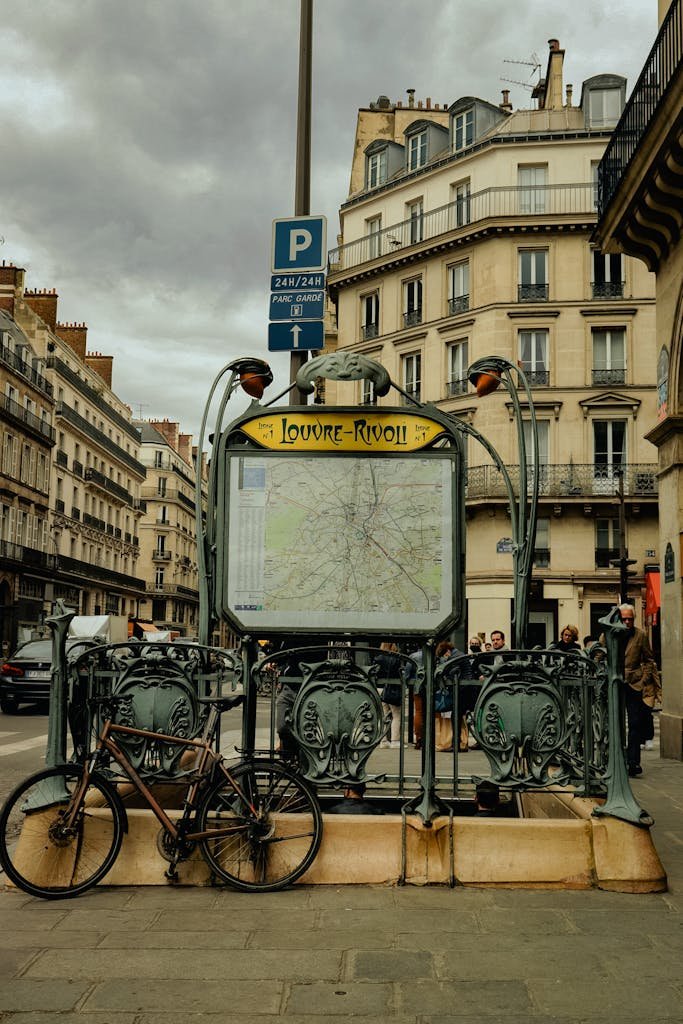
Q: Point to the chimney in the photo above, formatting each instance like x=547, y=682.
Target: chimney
x=11, y=285
x=553, y=98
x=570, y=92
x=428, y=103
x=75, y=335
x=168, y=430
x=102, y=365
x=411, y=97
x=185, y=447
x=44, y=304
x=505, y=105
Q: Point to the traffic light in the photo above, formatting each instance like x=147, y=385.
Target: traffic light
x=625, y=574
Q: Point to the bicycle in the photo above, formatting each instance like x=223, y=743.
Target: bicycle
x=257, y=824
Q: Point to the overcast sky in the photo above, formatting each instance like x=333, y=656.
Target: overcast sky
x=148, y=145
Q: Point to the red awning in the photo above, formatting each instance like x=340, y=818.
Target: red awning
x=652, y=596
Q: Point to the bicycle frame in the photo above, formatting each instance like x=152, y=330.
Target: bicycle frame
x=205, y=757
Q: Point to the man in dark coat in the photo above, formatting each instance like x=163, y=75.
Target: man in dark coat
x=641, y=688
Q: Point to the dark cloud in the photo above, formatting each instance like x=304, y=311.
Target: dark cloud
x=147, y=148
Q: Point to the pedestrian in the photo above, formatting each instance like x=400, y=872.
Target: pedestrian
x=389, y=678
x=443, y=703
x=641, y=688
x=569, y=640
x=410, y=671
x=498, y=640
x=354, y=802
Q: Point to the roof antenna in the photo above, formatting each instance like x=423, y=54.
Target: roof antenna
x=534, y=63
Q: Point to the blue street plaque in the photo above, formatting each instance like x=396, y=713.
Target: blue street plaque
x=294, y=337
x=297, y=306
x=299, y=244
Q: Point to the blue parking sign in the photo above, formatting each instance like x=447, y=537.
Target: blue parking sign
x=299, y=244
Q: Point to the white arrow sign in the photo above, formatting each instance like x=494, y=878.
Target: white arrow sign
x=296, y=331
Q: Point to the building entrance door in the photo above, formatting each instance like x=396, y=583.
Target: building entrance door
x=540, y=631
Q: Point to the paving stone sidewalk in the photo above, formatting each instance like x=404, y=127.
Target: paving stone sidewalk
x=332, y=954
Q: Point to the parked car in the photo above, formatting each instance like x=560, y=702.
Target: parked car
x=25, y=676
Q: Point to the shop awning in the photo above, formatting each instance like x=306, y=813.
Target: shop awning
x=652, y=596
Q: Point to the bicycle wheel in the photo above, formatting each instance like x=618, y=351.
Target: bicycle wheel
x=275, y=826
x=43, y=856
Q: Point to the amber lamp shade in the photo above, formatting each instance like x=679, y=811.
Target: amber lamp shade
x=253, y=383
x=486, y=383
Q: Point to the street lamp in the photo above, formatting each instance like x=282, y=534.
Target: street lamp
x=253, y=376
x=486, y=375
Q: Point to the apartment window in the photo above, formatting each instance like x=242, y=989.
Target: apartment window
x=416, y=219
x=376, y=169
x=609, y=364
x=367, y=393
x=608, y=276
x=463, y=129
x=595, y=164
x=533, y=275
x=370, y=316
x=158, y=460
x=161, y=486
x=411, y=367
x=532, y=183
x=160, y=545
x=10, y=448
x=159, y=577
x=459, y=287
x=461, y=203
x=373, y=228
x=607, y=542
x=457, y=369
x=162, y=516
x=609, y=454
x=417, y=151
x=25, y=468
x=543, y=428
x=533, y=354
x=412, y=302
x=604, y=107
x=542, y=545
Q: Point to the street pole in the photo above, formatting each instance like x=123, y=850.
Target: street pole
x=302, y=186
x=623, y=562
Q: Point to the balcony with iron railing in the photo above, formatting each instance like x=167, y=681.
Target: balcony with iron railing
x=536, y=378
x=169, y=494
x=458, y=304
x=93, y=476
x=607, y=289
x=20, y=366
x=95, y=396
x=661, y=69
x=369, y=331
x=532, y=292
x=77, y=467
x=640, y=176
x=412, y=318
x=605, y=556
x=172, y=588
x=506, y=203
x=92, y=433
x=88, y=570
x=412, y=392
x=40, y=428
x=27, y=557
x=541, y=558
x=608, y=378
x=571, y=480
x=161, y=556
x=454, y=388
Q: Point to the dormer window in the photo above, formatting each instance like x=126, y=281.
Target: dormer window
x=604, y=108
x=417, y=151
x=376, y=169
x=463, y=129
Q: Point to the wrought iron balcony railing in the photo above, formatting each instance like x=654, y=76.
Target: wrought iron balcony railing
x=541, y=558
x=62, y=459
x=93, y=476
x=77, y=467
x=658, y=72
x=607, y=289
x=414, y=392
x=369, y=331
x=537, y=378
x=457, y=387
x=573, y=480
x=88, y=570
x=170, y=494
x=161, y=556
x=25, y=556
x=458, y=304
x=172, y=588
x=91, y=433
x=62, y=370
x=19, y=414
x=412, y=318
x=489, y=204
x=15, y=362
x=605, y=556
x=532, y=292
x=602, y=378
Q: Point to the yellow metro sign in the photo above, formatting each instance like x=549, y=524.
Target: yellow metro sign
x=342, y=431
